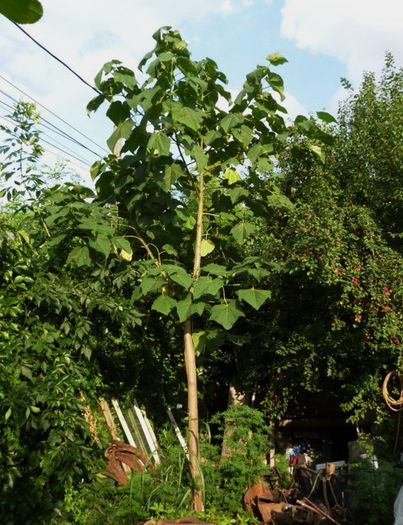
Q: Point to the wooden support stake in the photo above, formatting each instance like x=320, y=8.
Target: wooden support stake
x=152, y=445
x=178, y=433
x=123, y=423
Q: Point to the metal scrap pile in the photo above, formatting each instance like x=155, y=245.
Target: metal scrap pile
x=318, y=498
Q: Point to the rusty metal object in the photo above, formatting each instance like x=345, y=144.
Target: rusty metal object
x=120, y=454
x=260, y=494
x=277, y=505
x=268, y=510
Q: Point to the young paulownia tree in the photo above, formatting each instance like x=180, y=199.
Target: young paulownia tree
x=194, y=177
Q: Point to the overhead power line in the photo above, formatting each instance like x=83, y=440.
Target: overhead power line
x=65, y=152
x=51, y=126
x=57, y=58
x=82, y=161
x=70, y=150
x=73, y=152
x=53, y=113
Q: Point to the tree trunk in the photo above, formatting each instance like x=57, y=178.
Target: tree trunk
x=193, y=414
x=191, y=369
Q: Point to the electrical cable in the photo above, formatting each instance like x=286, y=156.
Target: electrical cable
x=68, y=161
x=83, y=161
x=66, y=152
x=83, y=166
x=60, y=131
x=70, y=150
x=56, y=58
x=53, y=113
x=12, y=121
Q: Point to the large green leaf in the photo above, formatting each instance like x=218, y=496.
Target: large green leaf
x=163, y=304
x=200, y=157
x=276, y=83
x=318, y=151
x=191, y=118
x=101, y=244
x=22, y=11
x=126, y=77
x=95, y=225
x=186, y=218
x=326, y=117
x=159, y=144
x=276, y=59
x=207, y=247
x=206, y=286
x=254, y=297
x=118, y=112
x=232, y=176
x=215, y=269
x=172, y=174
x=122, y=131
x=177, y=274
x=242, y=230
x=170, y=250
x=226, y=314
x=199, y=341
x=236, y=193
x=122, y=244
x=184, y=308
x=151, y=284
x=243, y=134
x=79, y=256
x=211, y=136
x=254, y=152
x=278, y=200
x=231, y=120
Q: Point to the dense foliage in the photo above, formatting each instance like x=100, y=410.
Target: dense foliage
x=333, y=326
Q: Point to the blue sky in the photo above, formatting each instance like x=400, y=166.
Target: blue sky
x=322, y=39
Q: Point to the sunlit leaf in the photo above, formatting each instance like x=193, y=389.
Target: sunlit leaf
x=318, y=151
x=326, y=117
x=226, y=314
x=122, y=131
x=276, y=59
x=232, y=176
x=163, y=304
x=254, y=297
x=242, y=230
x=207, y=247
x=206, y=286
x=159, y=144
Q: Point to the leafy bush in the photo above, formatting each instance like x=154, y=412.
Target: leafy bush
x=229, y=474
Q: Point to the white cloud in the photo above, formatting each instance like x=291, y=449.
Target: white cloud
x=356, y=32
x=293, y=106
x=227, y=7
x=291, y=103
